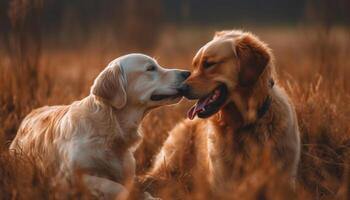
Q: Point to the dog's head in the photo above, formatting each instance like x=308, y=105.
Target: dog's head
x=231, y=61
x=138, y=80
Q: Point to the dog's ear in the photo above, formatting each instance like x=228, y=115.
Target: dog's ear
x=253, y=57
x=110, y=87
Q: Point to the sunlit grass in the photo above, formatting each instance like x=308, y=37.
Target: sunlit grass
x=315, y=78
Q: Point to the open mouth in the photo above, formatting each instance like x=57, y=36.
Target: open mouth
x=160, y=97
x=210, y=104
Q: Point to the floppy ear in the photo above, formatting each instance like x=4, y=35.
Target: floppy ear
x=109, y=86
x=253, y=57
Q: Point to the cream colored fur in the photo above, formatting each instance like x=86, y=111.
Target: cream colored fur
x=97, y=135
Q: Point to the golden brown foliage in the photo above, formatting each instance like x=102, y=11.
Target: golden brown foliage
x=312, y=65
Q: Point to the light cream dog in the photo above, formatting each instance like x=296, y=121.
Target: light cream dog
x=244, y=111
x=97, y=135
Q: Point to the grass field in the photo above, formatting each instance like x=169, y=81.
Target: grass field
x=312, y=63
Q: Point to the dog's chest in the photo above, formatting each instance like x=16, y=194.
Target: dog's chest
x=98, y=157
x=238, y=141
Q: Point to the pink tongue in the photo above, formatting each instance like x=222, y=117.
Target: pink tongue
x=197, y=108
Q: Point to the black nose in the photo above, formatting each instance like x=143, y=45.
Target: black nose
x=185, y=74
x=184, y=89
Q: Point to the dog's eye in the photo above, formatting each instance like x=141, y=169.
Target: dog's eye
x=151, y=68
x=207, y=64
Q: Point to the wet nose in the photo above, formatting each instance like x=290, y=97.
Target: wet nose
x=185, y=74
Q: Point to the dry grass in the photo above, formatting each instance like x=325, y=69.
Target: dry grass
x=312, y=64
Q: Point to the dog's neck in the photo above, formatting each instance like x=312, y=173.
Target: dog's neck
x=129, y=119
x=247, y=105
x=124, y=121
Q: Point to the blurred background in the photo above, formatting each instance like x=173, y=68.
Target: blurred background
x=51, y=50
x=76, y=35
x=160, y=27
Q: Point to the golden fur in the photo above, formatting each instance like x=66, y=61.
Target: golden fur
x=236, y=133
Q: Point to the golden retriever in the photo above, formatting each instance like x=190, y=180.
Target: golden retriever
x=97, y=135
x=240, y=107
